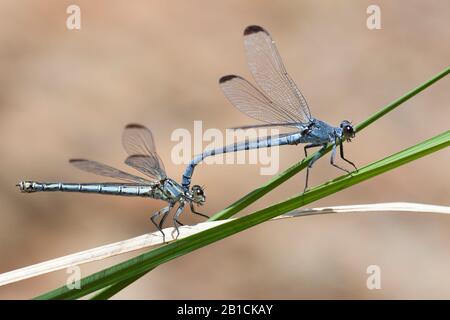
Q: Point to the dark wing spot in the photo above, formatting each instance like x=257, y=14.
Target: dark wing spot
x=227, y=78
x=76, y=160
x=135, y=156
x=254, y=29
x=134, y=126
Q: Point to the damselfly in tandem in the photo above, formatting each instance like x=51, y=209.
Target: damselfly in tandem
x=139, y=144
x=278, y=102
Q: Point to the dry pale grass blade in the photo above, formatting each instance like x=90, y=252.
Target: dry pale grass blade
x=103, y=252
x=375, y=207
x=155, y=238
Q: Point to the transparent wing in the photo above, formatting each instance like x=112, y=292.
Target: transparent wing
x=139, y=143
x=138, y=139
x=270, y=74
x=150, y=165
x=292, y=124
x=249, y=100
x=106, y=171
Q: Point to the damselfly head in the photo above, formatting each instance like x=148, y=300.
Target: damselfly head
x=198, y=194
x=347, y=130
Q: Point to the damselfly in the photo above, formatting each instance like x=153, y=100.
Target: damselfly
x=139, y=144
x=278, y=102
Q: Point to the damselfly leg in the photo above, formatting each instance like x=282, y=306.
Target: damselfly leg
x=198, y=213
x=332, y=158
x=341, y=149
x=311, y=163
x=311, y=145
x=164, y=212
x=177, y=223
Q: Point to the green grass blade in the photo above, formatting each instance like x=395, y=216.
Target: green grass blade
x=108, y=292
x=400, y=100
x=142, y=263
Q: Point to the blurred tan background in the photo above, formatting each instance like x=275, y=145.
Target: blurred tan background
x=67, y=94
